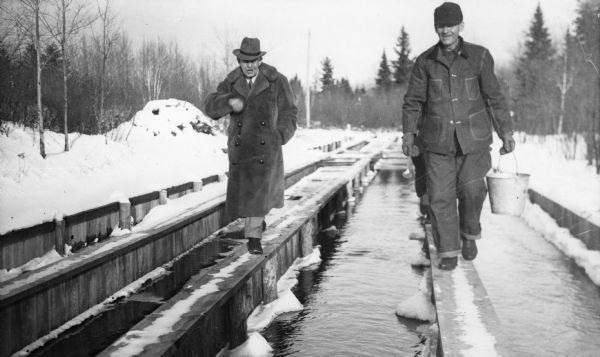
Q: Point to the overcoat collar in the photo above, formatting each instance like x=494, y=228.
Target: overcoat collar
x=266, y=75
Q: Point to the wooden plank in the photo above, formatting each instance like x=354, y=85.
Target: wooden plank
x=449, y=292
x=269, y=280
x=69, y=281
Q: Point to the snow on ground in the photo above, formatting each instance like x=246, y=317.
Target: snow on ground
x=146, y=153
x=571, y=183
x=574, y=248
x=179, y=144
x=48, y=258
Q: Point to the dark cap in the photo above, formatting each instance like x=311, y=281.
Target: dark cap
x=447, y=14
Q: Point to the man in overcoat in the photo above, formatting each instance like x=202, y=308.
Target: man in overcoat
x=454, y=90
x=262, y=113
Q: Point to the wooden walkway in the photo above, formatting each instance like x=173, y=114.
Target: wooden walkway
x=467, y=321
x=210, y=313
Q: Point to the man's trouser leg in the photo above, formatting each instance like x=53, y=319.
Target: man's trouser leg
x=253, y=227
x=472, y=191
x=441, y=188
x=420, y=174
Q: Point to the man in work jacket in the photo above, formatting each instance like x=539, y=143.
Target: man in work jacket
x=262, y=119
x=454, y=88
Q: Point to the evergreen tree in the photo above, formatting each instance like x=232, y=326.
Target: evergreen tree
x=537, y=96
x=299, y=96
x=538, y=45
x=384, y=75
x=327, y=77
x=403, y=65
x=586, y=85
x=345, y=87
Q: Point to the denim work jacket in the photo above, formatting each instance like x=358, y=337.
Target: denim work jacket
x=463, y=98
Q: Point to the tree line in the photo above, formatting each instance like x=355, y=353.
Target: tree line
x=337, y=104
x=550, y=89
x=555, y=88
x=67, y=66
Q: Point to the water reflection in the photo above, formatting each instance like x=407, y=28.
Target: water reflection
x=350, y=298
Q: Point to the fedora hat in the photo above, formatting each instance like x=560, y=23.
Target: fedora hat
x=249, y=50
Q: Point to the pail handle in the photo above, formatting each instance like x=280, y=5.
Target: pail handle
x=515, y=159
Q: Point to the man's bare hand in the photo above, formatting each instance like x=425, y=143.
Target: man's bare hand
x=236, y=104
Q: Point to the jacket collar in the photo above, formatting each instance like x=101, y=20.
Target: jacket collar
x=437, y=55
x=266, y=75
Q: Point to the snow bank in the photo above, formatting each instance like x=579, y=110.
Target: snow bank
x=539, y=220
x=167, y=143
x=36, y=263
x=570, y=182
x=100, y=169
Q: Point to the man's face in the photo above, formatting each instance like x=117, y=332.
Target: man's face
x=449, y=35
x=250, y=68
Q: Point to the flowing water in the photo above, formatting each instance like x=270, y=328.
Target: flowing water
x=350, y=300
x=546, y=303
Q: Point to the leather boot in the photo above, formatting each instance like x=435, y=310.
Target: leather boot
x=469, y=249
x=448, y=263
x=254, y=246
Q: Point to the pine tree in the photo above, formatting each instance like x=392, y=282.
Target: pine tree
x=538, y=45
x=586, y=87
x=384, y=75
x=345, y=87
x=299, y=96
x=327, y=77
x=403, y=65
x=537, y=95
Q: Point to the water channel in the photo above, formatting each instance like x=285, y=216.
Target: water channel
x=546, y=303
x=350, y=299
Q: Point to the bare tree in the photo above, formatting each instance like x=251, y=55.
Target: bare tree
x=565, y=82
x=104, y=42
x=24, y=17
x=69, y=17
x=224, y=37
x=153, y=62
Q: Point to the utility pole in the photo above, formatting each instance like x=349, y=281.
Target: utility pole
x=307, y=101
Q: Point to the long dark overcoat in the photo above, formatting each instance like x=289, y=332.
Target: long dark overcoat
x=255, y=136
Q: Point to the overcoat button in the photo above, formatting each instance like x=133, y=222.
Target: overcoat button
x=262, y=142
x=263, y=123
x=240, y=123
x=262, y=161
x=237, y=143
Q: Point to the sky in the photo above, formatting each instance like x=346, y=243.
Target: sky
x=352, y=33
